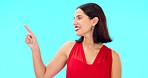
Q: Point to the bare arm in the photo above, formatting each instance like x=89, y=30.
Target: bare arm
x=55, y=65
x=31, y=41
x=116, y=66
x=59, y=60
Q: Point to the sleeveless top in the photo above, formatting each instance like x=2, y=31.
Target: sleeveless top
x=77, y=66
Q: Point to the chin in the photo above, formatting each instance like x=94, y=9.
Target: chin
x=78, y=34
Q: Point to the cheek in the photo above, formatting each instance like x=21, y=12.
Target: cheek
x=85, y=24
x=82, y=23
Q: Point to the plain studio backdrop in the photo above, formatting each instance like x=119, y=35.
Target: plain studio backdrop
x=51, y=22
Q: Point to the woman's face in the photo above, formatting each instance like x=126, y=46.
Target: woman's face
x=82, y=23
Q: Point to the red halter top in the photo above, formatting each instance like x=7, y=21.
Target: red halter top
x=77, y=66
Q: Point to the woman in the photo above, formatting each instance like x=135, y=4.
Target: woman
x=87, y=57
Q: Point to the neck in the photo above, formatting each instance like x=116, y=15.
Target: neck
x=89, y=42
x=88, y=38
x=91, y=46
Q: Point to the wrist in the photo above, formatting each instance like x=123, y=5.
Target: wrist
x=35, y=49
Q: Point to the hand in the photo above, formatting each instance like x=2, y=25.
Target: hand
x=31, y=39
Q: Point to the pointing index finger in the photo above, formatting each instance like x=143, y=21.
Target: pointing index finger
x=27, y=28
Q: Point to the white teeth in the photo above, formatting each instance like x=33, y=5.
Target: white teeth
x=76, y=28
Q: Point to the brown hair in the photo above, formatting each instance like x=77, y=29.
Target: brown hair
x=100, y=33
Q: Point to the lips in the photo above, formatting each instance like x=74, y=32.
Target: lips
x=77, y=28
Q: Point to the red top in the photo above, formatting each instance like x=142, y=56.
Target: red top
x=77, y=66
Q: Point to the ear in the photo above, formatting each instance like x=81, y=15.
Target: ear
x=95, y=20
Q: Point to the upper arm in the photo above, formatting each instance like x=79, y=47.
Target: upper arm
x=116, y=65
x=59, y=60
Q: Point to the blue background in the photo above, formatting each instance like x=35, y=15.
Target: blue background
x=51, y=22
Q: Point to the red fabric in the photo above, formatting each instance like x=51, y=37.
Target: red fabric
x=77, y=66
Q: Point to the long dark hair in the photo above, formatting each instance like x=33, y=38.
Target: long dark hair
x=100, y=33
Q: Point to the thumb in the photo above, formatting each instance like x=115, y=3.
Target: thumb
x=31, y=35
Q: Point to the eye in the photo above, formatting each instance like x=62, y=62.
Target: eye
x=79, y=18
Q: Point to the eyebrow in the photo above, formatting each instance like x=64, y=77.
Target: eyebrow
x=78, y=16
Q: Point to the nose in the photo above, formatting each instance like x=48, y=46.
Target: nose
x=74, y=22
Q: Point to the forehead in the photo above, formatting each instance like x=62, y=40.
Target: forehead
x=79, y=12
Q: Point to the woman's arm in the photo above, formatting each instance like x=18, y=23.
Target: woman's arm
x=31, y=41
x=116, y=66
x=39, y=67
x=55, y=65
x=59, y=60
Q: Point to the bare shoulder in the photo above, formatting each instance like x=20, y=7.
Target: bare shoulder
x=67, y=46
x=116, y=65
x=116, y=58
x=69, y=43
x=115, y=55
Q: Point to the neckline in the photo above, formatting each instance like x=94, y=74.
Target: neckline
x=84, y=56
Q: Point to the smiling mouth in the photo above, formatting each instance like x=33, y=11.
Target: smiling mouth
x=77, y=28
